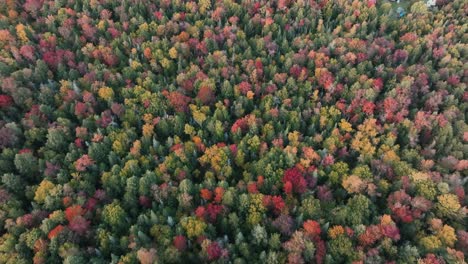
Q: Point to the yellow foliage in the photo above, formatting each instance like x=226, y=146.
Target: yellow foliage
x=101, y=25
x=448, y=204
x=430, y=243
x=189, y=130
x=293, y=138
x=148, y=130
x=447, y=235
x=198, y=115
x=204, y=5
x=43, y=190
x=106, y=93
x=148, y=118
x=419, y=176
x=256, y=209
x=366, y=138
x=21, y=33
x=193, y=226
x=165, y=63
x=173, y=53
x=217, y=158
x=386, y=220
x=389, y=154
x=345, y=126
x=335, y=231
x=135, y=64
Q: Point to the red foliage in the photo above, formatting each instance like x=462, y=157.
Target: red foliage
x=214, y=251
x=219, y=192
x=321, y=250
x=179, y=101
x=79, y=225
x=213, y=210
x=73, y=211
x=368, y=107
x=252, y=187
x=312, y=228
x=275, y=203
x=32, y=6
x=81, y=109
x=206, y=95
x=27, y=51
x=5, y=101
x=106, y=119
x=326, y=79
x=144, y=201
x=244, y=87
x=91, y=204
x=296, y=180
x=54, y=232
x=180, y=242
x=84, y=162
x=370, y=236
x=52, y=59
x=288, y=188
x=206, y=194
x=390, y=231
x=200, y=212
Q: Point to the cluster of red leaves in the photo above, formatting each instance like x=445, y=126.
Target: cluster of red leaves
x=5, y=101
x=84, y=162
x=178, y=101
x=209, y=212
x=406, y=208
x=294, y=181
x=274, y=203
x=206, y=95
x=76, y=221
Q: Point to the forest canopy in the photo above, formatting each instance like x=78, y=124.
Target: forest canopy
x=310, y=131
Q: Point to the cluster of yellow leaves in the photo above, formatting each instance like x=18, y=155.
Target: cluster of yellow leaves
x=21, y=33
x=448, y=205
x=193, y=226
x=106, y=93
x=327, y=114
x=366, y=138
x=204, y=5
x=130, y=168
x=345, y=126
x=293, y=138
x=388, y=154
x=119, y=142
x=199, y=114
x=430, y=243
x=217, y=158
x=256, y=209
x=309, y=156
x=148, y=130
x=386, y=220
x=165, y=63
x=447, y=235
x=43, y=190
x=173, y=53
x=135, y=64
x=335, y=231
x=148, y=118
x=419, y=176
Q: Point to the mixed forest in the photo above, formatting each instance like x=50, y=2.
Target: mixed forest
x=178, y=131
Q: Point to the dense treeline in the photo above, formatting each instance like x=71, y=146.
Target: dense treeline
x=233, y=131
